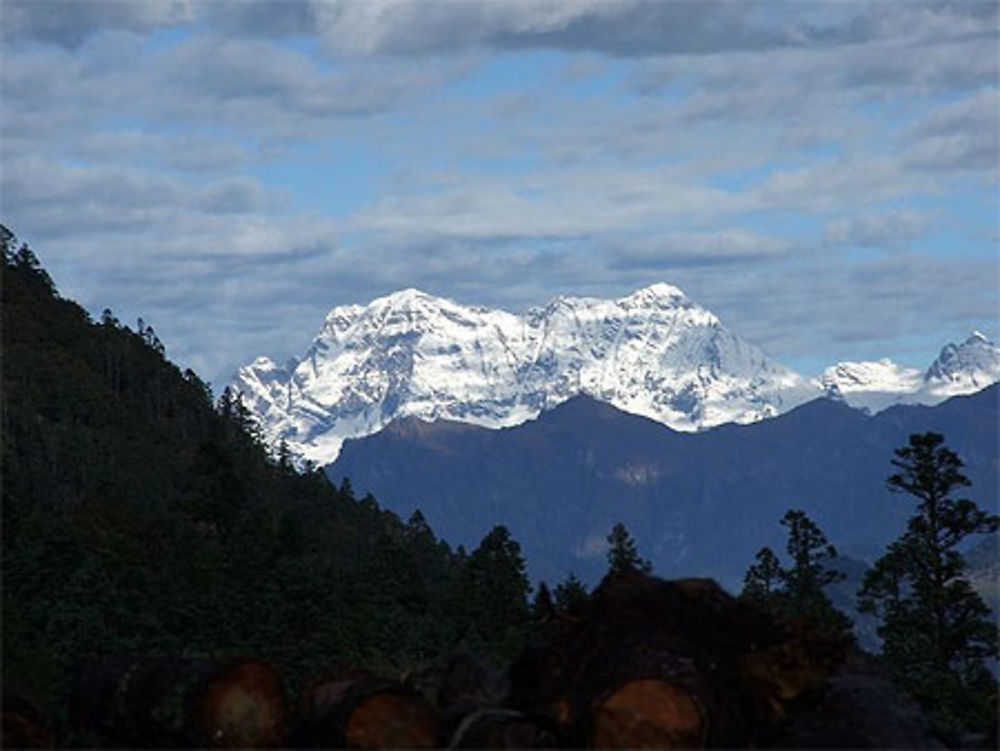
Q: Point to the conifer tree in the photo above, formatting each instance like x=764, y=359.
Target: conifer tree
x=805, y=580
x=622, y=552
x=495, y=592
x=543, y=607
x=798, y=589
x=936, y=630
x=570, y=594
x=763, y=580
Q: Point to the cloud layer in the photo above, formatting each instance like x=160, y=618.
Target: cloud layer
x=824, y=176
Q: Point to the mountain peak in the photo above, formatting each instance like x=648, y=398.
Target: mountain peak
x=960, y=368
x=408, y=296
x=658, y=291
x=410, y=354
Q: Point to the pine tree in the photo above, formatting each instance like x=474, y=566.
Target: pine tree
x=543, y=607
x=798, y=590
x=495, y=592
x=803, y=582
x=569, y=595
x=622, y=552
x=763, y=580
x=24, y=260
x=936, y=630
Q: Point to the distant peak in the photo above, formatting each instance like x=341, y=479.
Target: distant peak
x=409, y=293
x=978, y=337
x=660, y=290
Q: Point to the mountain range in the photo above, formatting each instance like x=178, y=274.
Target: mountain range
x=698, y=504
x=654, y=353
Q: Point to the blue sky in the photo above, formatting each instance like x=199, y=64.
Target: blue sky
x=823, y=176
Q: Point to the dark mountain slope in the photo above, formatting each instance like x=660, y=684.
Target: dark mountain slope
x=698, y=503
x=141, y=519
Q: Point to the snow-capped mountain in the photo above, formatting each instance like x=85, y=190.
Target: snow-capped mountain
x=959, y=369
x=653, y=353
x=872, y=385
x=881, y=375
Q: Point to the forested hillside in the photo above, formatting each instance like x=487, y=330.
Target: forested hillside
x=141, y=518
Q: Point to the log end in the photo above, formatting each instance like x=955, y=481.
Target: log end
x=244, y=708
x=392, y=720
x=648, y=713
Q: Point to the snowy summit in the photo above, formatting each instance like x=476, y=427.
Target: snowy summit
x=653, y=353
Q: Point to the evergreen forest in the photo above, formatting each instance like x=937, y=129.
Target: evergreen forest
x=141, y=516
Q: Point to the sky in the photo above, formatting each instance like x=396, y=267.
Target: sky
x=821, y=175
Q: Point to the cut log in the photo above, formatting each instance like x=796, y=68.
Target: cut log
x=179, y=703
x=648, y=713
x=357, y=710
x=503, y=728
x=24, y=725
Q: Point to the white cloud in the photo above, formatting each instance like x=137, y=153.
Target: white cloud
x=738, y=141
x=958, y=137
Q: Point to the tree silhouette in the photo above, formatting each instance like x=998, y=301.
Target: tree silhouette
x=570, y=594
x=798, y=589
x=763, y=579
x=622, y=552
x=495, y=592
x=936, y=630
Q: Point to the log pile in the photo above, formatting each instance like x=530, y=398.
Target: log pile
x=178, y=703
x=649, y=663
x=642, y=663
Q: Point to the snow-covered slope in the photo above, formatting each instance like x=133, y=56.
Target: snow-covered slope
x=654, y=353
x=960, y=369
x=963, y=368
x=872, y=385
